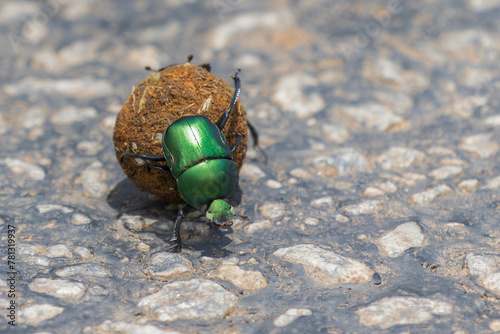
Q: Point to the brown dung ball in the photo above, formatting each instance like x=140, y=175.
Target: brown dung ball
x=163, y=97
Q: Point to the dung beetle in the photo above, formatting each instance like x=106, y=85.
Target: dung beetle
x=200, y=159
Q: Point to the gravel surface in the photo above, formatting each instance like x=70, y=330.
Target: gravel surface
x=376, y=212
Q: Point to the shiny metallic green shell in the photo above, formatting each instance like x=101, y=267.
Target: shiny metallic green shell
x=200, y=159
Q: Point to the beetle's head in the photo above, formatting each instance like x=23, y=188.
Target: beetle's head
x=220, y=212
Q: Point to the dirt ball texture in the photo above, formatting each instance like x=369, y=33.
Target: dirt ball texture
x=163, y=97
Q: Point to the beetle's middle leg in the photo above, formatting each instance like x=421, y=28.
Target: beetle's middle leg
x=148, y=158
x=255, y=139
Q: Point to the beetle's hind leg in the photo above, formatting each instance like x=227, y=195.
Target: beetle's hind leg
x=255, y=139
x=177, y=247
x=238, y=141
x=237, y=89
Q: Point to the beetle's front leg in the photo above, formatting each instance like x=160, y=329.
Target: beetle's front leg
x=177, y=231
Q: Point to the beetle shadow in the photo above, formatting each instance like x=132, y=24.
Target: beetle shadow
x=126, y=198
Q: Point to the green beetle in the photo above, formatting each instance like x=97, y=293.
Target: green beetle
x=199, y=157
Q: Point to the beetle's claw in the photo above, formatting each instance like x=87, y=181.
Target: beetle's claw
x=176, y=248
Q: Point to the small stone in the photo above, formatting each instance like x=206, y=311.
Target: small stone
x=401, y=238
x=469, y=185
x=143, y=247
x=83, y=269
x=136, y=223
x=35, y=314
x=295, y=93
x=27, y=249
x=492, y=121
x=252, y=261
x=273, y=210
x=232, y=261
x=335, y=133
x=487, y=268
x=345, y=161
x=258, y=225
x=58, y=251
x=168, y=265
x=493, y=183
x=325, y=266
x=453, y=162
x=19, y=167
x=445, y=172
x=58, y=288
x=341, y=218
x=429, y=195
x=363, y=208
x=273, y=184
x=391, y=311
x=36, y=260
x=311, y=221
x=495, y=325
x=323, y=201
x=372, y=191
x=386, y=186
x=480, y=145
x=252, y=171
x=83, y=252
x=194, y=299
x=121, y=327
x=480, y=6
x=290, y=316
x=454, y=225
x=244, y=279
x=300, y=173
x=44, y=208
x=206, y=259
x=398, y=158
x=374, y=116
x=80, y=219
x=491, y=282
x=91, y=180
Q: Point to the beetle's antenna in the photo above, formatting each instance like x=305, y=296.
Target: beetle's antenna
x=237, y=89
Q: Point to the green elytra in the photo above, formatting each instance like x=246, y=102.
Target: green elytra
x=199, y=157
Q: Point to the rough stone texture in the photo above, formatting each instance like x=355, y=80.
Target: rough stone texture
x=36, y=314
x=401, y=238
x=245, y=279
x=58, y=288
x=391, y=311
x=487, y=270
x=121, y=327
x=363, y=208
x=429, y=195
x=168, y=265
x=290, y=315
x=325, y=266
x=194, y=299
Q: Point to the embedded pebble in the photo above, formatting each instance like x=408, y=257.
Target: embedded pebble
x=258, y=225
x=492, y=121
x=397, y=158
x=27, y=249
x=445, y=172
x=480, y=145
x=493, y=183
x=495, y=326
x=479, y=6
x=487, y=268
x=83, y=252
x=363, y=208
x=323, y=201
x=121, y=327
x=345, y=161
x=58, y=288
x=36, y=260
x=58, y=251
x=44, y=208
x=86, y=269
x=35, y=314
x=143, y=247
x=233, y=260
x=168, y=265
x=335, y=133
x=325, y=266
x=73, y=114
x=311, y=221
x=79, y=219
x=290, y=95
x=193, y=299
x=409, y=179
x=290, y=316
x=91, y=179
x=372, y=191
x=18, y=167
x=429, y=195
x=272, y=210
x=273, y=184
x=300, y=173
x=135, y=223
x=400, y=239
x=386, y=186
x=469, y=185
x=252, y=171
x=244, y=279
x=391, y=311
x=341, y=218
x=374, y=116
